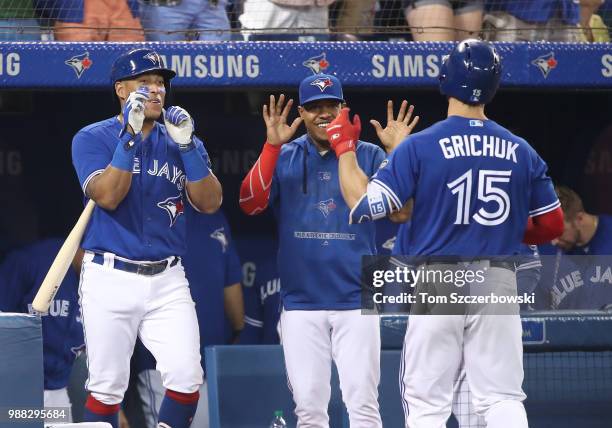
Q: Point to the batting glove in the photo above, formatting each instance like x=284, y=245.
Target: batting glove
x=134, y=110
x=180, y=126
x=342, y=134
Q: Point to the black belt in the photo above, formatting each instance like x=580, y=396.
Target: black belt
x=140, y=268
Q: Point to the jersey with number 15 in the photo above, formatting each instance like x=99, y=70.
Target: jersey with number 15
x=474, y=183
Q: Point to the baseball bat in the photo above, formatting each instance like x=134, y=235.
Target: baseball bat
x=62, y=262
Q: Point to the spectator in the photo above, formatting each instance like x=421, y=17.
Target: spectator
x=175, y=20
x=443, y=20
x=537, y=20
x=213, y=271
x=93, y=20
x=285, y=16
x=580, y=274
x=21, y=274
x=356, y=16
x=18, y=21
x=592, y=25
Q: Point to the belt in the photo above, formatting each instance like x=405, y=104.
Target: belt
x=140, y=268
x=456, y=261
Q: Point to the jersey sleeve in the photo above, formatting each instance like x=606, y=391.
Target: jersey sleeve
x=252, y=333
x=90, y=157
x=543, y=196
x=233, y=270
x=397, y=177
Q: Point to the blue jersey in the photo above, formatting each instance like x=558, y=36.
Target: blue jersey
x=540, y=11
x=211, y=264
x=319, y=252
x=474, y=184
x=21, y=275
x=582, y=277
x=149, y=223
x=386, y=236
x=261, y=287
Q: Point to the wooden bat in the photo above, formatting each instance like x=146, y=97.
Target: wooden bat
x=62, y=262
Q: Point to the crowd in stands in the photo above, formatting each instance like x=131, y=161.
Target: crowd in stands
x=218, y=20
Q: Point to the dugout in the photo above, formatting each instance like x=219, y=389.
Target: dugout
x=557, y=96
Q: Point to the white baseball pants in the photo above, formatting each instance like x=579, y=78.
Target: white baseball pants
x=311, y=340
x=492, y=351
x=117, y=306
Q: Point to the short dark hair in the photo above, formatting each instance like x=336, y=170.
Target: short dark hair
x=571, y=203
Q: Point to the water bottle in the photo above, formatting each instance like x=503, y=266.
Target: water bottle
x=278, y=421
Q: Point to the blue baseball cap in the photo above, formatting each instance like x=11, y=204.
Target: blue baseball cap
x=320, y=87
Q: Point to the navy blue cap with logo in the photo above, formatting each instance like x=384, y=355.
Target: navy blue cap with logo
x=320, y=87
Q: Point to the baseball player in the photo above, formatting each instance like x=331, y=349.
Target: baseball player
x=21, y=274
x=261, y=287
x=319, y=253
x=212, y=268
x=578, y=274
x=141, y=173
x=478, y=192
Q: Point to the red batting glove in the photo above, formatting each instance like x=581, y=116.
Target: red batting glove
x=342, y=134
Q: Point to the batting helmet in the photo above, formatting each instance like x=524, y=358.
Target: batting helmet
x=137, y=62
x=471, y=72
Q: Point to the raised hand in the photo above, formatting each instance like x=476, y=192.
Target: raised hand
x=134, y=111
x=275, y=117
x=179, y=125
x=342, y=134
x=397, y=129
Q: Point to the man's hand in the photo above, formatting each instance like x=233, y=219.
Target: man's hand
x=275, y=116
x=133, y=111
x=397, y=129
x=342, y=134
x=180, y=126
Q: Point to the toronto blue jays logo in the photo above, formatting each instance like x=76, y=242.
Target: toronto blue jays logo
x=174, y=207
x=154, y=58
x=326, y=206
x=219, y=235
x=545, y=63
x=324, y=175
x=317, y=64
x=322, y=83
x=79, y=63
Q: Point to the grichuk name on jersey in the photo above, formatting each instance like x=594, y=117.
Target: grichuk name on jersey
x=478, y=145
x=177, y=177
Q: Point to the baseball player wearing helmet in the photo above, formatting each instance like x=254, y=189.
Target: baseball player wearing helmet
x=319, y=253
x=141, y=173
x=478, y=192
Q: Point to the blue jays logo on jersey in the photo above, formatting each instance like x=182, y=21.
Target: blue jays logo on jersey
x=79, y=63
x=219, y=235
x=174, y=207
x=317, y=64
x=545, y=63
x=324, y=175
x=326, y=206
x=322, y=83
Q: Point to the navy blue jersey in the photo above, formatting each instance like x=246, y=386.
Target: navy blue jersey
x=319, y=252
x=582, y=277
x=474, y=184
x=211, y=264
x=21, y=275
x=149, y=223
x=261, y=287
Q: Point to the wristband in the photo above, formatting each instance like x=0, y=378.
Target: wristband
x=123, y=158
x=196, y=164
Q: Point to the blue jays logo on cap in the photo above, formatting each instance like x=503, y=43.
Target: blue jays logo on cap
x=545, y=63
x=174, y=207
x=79, y=63
x=322, y=84
x=319, y=87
